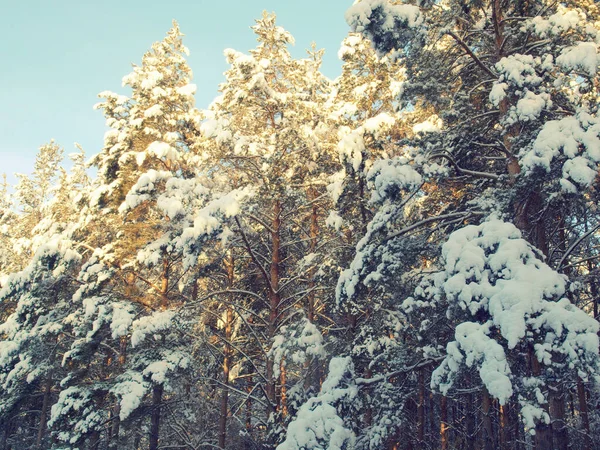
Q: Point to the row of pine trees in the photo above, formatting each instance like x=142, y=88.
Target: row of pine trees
x=403, y=258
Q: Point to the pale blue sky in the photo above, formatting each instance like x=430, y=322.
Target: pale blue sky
x=57, y=55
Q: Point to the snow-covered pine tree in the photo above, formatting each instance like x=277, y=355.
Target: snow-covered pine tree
x=268, y=131
x=33, y=339
x=139, y=229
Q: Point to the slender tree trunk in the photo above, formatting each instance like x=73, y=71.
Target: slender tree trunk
x=227, y=354
x=314, y=234
x=421, y=410
x=583, y=411
x=44, y=415
x=487, y=432
x=283, y=389
x=113, y=442
x=504, y=427
x=444, y=423
x=94, y=440
x=274, y=300
x=313, y=368
x=248, y=442
x=557, y=412
x=164, y=284
x=543, y=431
x=157, y=392
x=470, y=423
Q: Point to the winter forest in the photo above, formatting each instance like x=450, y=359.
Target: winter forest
x=406, y=257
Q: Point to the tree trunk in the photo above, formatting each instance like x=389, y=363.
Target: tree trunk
x=157, y=392
x=164, y=285
x=226, y=368
x=444, y=423
x=583, y=411
x=557, y=412
x=113, y=442
x=94, y=440
x=227, y=354
x=274, y=300
x=543, y=431
x=487, y=433
x=314, y=234
x=421, y=410
x=470, y=423
x=504, y=428
x=248, y=442
x=283, y=389
x=44, y=415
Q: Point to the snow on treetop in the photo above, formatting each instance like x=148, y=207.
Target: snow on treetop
x=360, y=15
x=387, y=25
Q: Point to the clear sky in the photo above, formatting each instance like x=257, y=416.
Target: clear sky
x=57, y=55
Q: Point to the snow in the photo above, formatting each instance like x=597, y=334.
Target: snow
x=153, y=111
x=317, y=424
x=187, y=90
x=151, y=79
x=432, y=124
x=130, y=389
x=518, y=70
x=297, y=343
x=583, y=56
x=360, y=14
x=574, y=143
x=163, y=150
x=389, y=175
x=489, y=268
x=334, y=220
x=121, y=320
x=150, y=325
x=140, y=191
x=530, y=106
x=562, y=21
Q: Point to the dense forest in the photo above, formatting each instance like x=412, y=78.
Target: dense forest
x=405, y=257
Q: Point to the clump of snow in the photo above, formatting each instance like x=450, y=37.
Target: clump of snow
x=387, y=176
x=574, y=143
x=490, y=269
x=558, y=23
x=583, y=56
x=334, y=220
x=150, y=325
x=130, y=390
x=297, y=343
x=163, y=150
x=360, y=15
x=432, y=124
x=318, y=424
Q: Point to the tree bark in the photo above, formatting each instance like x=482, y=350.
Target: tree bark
x=227, y=354
x=583, y=411
x=274, y=300
x=504, y=427
x=113, y=442
x=557, y=412
x=157, y=392
x=421, y=410
x=44, y=415
x=487, y=432
x=444, y=423
x=470, y=423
